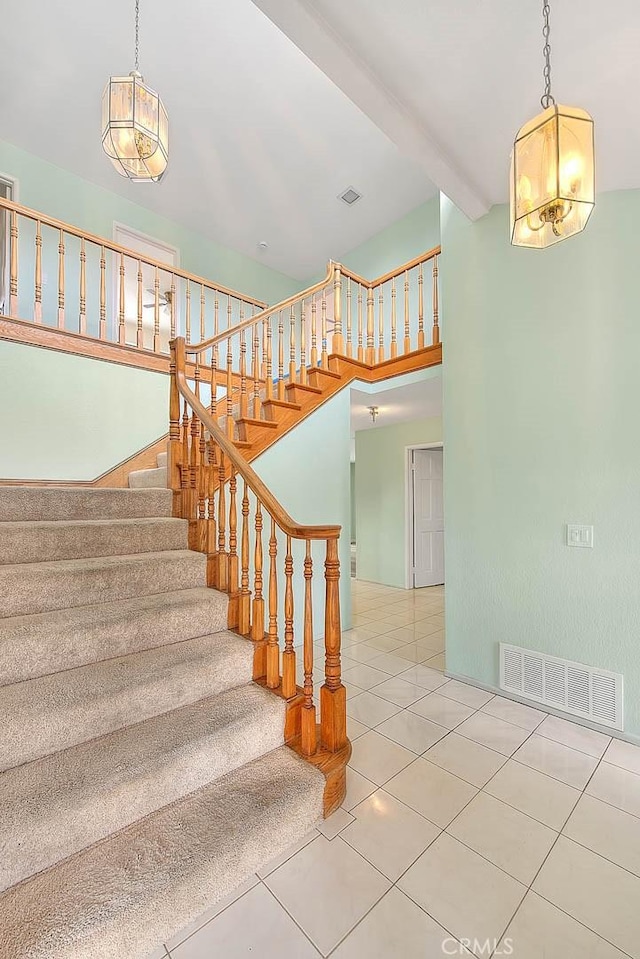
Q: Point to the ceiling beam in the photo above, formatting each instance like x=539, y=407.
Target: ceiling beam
x=322, y=44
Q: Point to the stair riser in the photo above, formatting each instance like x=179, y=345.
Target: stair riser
x=148, y=479
x=36, y=588
x=19, y=503
x=36, y=646
x=36, y=544
x=205, y=751
x=70, y=723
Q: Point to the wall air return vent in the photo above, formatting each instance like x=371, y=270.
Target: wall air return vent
x=350, y=196
x=585, y=691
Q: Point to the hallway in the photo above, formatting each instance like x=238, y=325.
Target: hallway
x=467, y=817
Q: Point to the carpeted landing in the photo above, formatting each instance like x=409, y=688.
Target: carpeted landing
x=142, y=773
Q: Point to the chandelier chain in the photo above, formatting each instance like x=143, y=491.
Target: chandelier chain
x=547, y=99
x=137, y=36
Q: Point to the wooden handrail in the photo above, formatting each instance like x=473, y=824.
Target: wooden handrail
x=268, y=311
x=409, y=265
x=241, y=466
x=116, y=248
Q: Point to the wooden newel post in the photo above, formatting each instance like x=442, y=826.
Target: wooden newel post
x=175, y=444
x=333, y=695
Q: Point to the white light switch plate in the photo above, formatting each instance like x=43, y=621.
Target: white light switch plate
x=579, y=535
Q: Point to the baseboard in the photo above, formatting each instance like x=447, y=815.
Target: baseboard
x=543, y=708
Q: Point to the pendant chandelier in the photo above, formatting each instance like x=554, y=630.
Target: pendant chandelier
x=135, y=126
x=552, y=184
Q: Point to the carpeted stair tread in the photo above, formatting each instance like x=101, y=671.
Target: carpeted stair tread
x=162, y=459
x=36, y=587
x=43, y=643
x=140, y=886
x=36, y=541
x=71, y=502
x=51, y=713
x=148, y=479
x=59, y=805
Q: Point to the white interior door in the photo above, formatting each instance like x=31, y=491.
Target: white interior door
x=428, y=518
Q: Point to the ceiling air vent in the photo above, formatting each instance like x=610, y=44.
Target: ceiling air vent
x=350, y=196
x=585, y=691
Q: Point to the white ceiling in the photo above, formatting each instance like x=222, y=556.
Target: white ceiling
x=269, y=123
x=262, y=142
x=451, y=82
x=396, y=405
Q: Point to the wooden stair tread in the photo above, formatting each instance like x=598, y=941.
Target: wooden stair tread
x=303, y=386
x=249, y=421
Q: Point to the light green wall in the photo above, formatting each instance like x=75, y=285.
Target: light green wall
x=413, y=234
x=353, y=502
x=66, y=417
x=52, y=190
x=541, y=400
x=381, y=497
x=308, y=470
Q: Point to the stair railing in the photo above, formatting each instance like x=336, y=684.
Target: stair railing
x=269, y=356
x=74, y=281
x=230, y=512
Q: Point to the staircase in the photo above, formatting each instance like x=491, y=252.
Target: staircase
x=143, y=774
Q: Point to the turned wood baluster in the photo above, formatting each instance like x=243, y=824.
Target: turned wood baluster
x=175, y=449
x=121, y=303
x=255, y=371
x=203, y=333
x=232, y=586
x=420, y=307
x=212, y=540
x=303, y=343
x=13, y=264
x=187, y=313
x=292, y=345
x=202, y=492
x=244, y=607
x=37, y=306
x=216, y=314
x=139, y=330
x=280, y=356
x=244, y=399
x=313, y=359
x=184, y=466
x=273, y=650
x=381, y=324
x=337, y=343
x=103, y=294
x=308, y=709
x=156, y=311
x=214, y=381
x=193, y=480
x=349, y=332
x=371, y=353
x=61, y=281
x=263, y=367
x=229, y=311
x=172, y=306
x=435, y=339
x=333, y=702
x=230, y=421
x=82, y=319
x=289, y=656
x=257, y=625
x=268, y=384
x=223, y=558
x=407, y=331
x=394, y=343
x=324, y=362
x=360, y=343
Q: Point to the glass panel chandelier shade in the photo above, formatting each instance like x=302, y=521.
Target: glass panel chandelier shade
x=552, y=183
x=135, y=128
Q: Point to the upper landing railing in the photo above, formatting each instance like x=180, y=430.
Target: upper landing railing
x=64, y=279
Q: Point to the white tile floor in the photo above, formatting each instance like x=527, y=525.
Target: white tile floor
x=468, y=818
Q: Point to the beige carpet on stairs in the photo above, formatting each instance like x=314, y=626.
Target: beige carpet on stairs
x=143, y=774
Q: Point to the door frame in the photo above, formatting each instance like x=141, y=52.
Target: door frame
x=408, y=507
